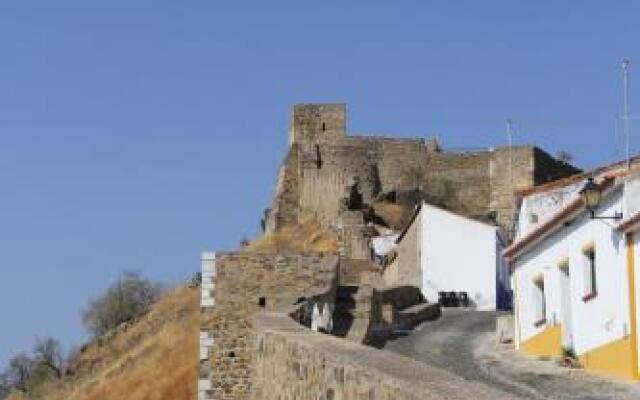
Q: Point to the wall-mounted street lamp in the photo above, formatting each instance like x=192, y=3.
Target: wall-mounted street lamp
x=591, y=195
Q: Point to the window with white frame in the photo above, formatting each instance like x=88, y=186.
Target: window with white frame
x=590, y=273
x=539, y=300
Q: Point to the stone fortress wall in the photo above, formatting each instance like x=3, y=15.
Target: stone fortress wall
x=249, y=300
x=236, y=285
x=291, y=362
x=253, y=346
x=323, y=162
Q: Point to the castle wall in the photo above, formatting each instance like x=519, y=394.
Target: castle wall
x=531, y=166
x=245, y=283
x=352, y=158
x=504, y=184
x=323, y=163
x=284, y=206
x=317, y=122
x=242, y=359
x=327, y=170
x=463, y=178
x=401, y=162
x=355, y=253
x=321, y=191
x=292, y=362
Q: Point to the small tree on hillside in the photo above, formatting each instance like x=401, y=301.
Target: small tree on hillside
x=19, y=372
x=5, y=386
x=127, y=299
x=48, y=353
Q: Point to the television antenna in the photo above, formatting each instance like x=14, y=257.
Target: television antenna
x=625, y=109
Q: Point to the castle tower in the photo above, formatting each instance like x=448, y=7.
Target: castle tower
x=315, y=123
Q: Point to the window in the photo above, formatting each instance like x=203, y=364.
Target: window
x=590, y=281
x=539, y=300
x=324, y=127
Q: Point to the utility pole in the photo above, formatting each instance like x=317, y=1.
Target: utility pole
x=510, y=140
x=625, y=109
x=512, y=229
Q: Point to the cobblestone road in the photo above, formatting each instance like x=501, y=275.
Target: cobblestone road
x=461, y=342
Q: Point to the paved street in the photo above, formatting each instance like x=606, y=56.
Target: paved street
x=462, y=342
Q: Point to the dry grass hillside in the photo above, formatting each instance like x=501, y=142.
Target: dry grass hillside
x=151, y=359
x=155, y=358
x=308, y=236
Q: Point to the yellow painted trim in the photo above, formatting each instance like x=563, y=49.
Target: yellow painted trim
x=516, y=311
x=588, y=248
x=563, y=263
x=619, y=358
x=547, y=343
x=631, y=277
x=613, y=359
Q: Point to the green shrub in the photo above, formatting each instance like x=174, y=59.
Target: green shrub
x=127, y=299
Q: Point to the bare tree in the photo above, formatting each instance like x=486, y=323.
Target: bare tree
x=5, y=386
x=19, y=372
x=127, y=299
x=48, y=353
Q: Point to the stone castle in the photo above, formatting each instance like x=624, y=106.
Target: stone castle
x=255, y=341
x=323, y=163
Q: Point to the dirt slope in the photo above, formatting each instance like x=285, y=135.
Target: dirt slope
x=151, y=359
x=308, y=236
x=155, y=358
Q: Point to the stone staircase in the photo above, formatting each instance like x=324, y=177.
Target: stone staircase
x=412, y=316
x=351, y=271
x=370, y=315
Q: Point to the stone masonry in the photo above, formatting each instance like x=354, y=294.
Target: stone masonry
x=207, y=340
x=293, y=363
x=323, y=162
x=251, y=346
x=237, y=286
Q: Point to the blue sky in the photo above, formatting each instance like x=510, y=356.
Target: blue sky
x=134, y=134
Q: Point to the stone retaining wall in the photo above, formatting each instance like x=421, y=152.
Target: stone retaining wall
x=291, y=362
x=237, y=285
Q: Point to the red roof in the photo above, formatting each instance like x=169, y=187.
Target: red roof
x=629, y=223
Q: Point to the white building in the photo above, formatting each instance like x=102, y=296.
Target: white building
x=574, y=277
x=440, y=251
x=382, y=246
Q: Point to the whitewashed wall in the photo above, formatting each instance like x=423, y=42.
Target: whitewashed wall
x=458, y=254
x=632, y=195
x=540, y=206
x=636, y=255
x=597, y=321
x=631, y=199
x=208, y=269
